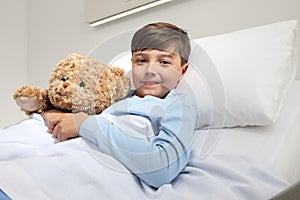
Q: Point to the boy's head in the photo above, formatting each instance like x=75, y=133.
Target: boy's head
x=162, y=36
x=160, y=53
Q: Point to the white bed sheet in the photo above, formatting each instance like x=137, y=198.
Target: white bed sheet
x=277, y=146
x=34, y=166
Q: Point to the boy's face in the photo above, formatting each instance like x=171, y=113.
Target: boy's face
x=156, y=72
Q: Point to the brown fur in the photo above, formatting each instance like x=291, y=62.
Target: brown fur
x=77, y=84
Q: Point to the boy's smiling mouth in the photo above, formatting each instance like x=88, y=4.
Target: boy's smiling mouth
x=150, y=83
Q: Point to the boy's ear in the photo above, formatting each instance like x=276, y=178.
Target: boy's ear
x=184, y=68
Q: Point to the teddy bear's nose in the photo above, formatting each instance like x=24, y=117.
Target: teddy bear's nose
x=65, y=84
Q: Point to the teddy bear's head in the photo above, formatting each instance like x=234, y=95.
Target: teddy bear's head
x=81, y=83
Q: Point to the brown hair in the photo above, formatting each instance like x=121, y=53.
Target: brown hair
x=162, y=36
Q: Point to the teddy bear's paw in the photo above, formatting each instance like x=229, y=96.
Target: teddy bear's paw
x=30, y=98
x=29, y=103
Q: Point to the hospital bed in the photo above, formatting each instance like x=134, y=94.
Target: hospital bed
x=246, y=141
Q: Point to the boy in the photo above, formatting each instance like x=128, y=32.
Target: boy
x=160, y=54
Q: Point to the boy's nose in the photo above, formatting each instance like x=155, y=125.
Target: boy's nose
x=151, y=69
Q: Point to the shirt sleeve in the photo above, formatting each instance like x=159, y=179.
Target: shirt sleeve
x=157, y=160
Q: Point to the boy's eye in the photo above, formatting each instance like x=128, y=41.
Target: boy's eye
x=165, y=62
x=140, y=60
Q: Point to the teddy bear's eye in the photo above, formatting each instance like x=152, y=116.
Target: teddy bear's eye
x=63, y=79
x=82, y=84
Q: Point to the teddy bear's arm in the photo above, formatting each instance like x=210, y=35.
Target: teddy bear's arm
x=32, y=99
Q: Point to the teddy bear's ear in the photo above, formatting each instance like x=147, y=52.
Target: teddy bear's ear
x=123, y=87
x=121, y=83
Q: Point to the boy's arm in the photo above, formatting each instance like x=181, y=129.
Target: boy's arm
x=156, y=161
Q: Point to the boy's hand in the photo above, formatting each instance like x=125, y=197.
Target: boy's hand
x=64, y=126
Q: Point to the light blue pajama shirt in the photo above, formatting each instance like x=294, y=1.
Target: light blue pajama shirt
x=156, y=160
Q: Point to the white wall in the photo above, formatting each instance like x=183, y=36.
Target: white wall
x=57, y=28
x=13, y=51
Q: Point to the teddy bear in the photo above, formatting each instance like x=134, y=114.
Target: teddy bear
x=77, y=84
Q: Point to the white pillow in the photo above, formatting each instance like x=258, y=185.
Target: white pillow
x=255, y=68
x=239, y=78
